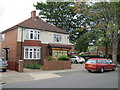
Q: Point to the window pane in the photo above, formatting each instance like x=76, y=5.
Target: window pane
x=54, y=53
x=65, y=53
x=26, y=54
x=35, y=35
x=35, y=53
x=30, y=54
x=31, y=35
x=38, y=54
x=26, y=50
x=38, y=35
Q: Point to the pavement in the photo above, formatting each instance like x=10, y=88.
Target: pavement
x=30, y=74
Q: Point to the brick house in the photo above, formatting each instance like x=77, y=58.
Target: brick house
x=101, y=50
x=33, y=40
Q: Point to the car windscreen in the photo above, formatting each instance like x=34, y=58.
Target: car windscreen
x=79, y=57
x=91, y=61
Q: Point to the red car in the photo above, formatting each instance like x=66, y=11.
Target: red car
x=99, y=64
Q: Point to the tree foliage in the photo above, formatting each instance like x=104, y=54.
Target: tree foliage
x=60, y=14
x=84, y=41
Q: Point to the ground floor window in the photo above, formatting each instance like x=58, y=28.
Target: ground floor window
x=57, y=53
x=32, y=52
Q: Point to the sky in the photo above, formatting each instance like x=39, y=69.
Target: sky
x=13, y=12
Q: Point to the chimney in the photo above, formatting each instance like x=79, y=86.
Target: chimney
x=33, y=14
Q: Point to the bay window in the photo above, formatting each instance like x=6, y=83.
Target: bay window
x=32, y=52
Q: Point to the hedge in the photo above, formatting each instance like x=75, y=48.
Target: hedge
x=63, y=58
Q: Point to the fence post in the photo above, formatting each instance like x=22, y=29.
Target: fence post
x=20, y=67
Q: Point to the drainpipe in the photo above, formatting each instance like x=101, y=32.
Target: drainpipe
x=21, y=56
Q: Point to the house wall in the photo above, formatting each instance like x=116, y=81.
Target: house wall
x=45, y=36
x=11, y=43
x=102, y=49
x=0, y=46
x=48, y=37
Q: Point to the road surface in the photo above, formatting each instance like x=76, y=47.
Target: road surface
x=73, y=79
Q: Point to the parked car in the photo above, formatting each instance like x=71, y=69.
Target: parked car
x=77, y=59
x=99, y=64
x=3, y=64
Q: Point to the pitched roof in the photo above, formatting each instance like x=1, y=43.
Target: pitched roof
x=40, y=25
x=35, y=23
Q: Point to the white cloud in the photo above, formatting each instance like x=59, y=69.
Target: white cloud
x=13, y=12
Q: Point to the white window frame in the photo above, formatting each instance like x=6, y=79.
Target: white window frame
x=57, y=37
x=36, y=34
x=38, y=52
x=3, y=37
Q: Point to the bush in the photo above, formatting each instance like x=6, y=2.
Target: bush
x=63, y=58
x=34, y=66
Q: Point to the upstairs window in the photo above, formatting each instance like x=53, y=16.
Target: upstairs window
x=57, y=38
x=32, y=35
x=3, y=37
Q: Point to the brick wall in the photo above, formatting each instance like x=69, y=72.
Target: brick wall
x=103, y=50
x=32, y=43
x=72, y=48
x=11, y=43
x=32, y=61
x=44, y=51
x=57, y=65
x=0, y=44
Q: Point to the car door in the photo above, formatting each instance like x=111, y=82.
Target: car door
x=108, y=64
x=73, y=58
x=111, y=64
x=105, y=64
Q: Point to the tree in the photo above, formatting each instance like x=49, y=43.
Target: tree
x=104, y=18
x=64, y=15
x=60, y=14
x=84, y=41
x=109, y=11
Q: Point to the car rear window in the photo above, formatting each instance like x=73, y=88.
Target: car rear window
x=91, y=61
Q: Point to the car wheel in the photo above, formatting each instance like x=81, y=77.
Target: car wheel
x=81, y=62
x=89, y=70
x=101, y=70
x=75, y=61
x=4, y=70
x=114, y=68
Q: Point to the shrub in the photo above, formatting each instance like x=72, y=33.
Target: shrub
x=34, y=66
x=63, y=58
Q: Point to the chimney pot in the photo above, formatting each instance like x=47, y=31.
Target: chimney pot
x=33, y=14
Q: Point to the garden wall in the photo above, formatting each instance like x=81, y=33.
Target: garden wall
x=57, y=65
